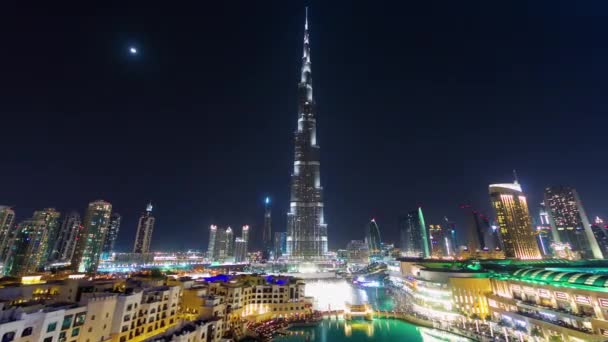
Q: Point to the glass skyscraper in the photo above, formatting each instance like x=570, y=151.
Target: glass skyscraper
x=514, y=222
x=306, y=228
x=569, y=222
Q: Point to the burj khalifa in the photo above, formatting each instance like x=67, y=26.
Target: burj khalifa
x=306, y=228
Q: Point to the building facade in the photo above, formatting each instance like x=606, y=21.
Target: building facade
x=51, y=217
x=414, y=235
x=65, y=244
x=306, y=228
x=373, y=239
x=111, y=236
x=145, y=228
x=7, y=221
x=569, y=221
x=267, y=230
x=90, y=240
x=514, y=222
x=28, y=250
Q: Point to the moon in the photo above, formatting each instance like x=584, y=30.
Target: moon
x=133, y=50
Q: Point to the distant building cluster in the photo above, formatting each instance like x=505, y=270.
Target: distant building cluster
x=223, y=247
x=47, y=240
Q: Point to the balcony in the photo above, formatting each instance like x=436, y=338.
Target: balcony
x=554, y=322
x=555, y=311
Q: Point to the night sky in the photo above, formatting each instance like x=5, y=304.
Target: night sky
x=418, y=103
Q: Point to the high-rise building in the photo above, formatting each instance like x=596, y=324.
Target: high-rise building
x=7, y=220
x=65, y=244
x=358, y=254
x=373, y=240
x=111, y=236
x=414, y=235
x=221, y=243
x=229, y=242
x=280, y=244
x=27, y=252
x=514, y=223
x=211, y=244
x=439, y=242
x=91, y=237
x=145, y=228
x=51, y=217
x=267, y=231
x=600, y=231
x=569, y=221
x=450, y=233
x=544, y=232
x=245, y=233
x=240, y=250
x=306, y=228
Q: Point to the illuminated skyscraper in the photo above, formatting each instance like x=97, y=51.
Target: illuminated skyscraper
x=600, y=231
x=306, y=228
x=28, y=250
x=7, y=220
x=280, y=244
x=211, y=245
x=221, y=243
x=240, y=250
x=372, y=238
x=145, y=228
x=68, y=236
x=414, y=235
x=51, y=217
x=514, y=221
x=91, y=237
x=569, y=221
x=267, y=231
x=229, y=243
x=439, y=242
x=111, y=236
x=544, y=232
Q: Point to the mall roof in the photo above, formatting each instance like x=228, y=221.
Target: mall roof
x=564, y=278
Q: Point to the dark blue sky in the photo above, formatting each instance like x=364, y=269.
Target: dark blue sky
x=423, y=103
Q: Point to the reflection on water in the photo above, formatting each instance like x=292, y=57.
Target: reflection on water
x=331, y=330
x=331, y=294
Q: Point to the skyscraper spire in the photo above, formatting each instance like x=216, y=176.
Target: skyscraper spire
x=306, y=228
x=305, y=86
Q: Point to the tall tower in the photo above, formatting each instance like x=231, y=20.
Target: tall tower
x=514, y=221
x=51, y=217
x=229, y=250
x=145, y=228
x=68, y=236
x=306, y=228
x=27, y=253
x=414, y=235
x=91, y=237
x=267, y=232
x=211, y=245
x=7, y=219
x=569, y=222
x=372, y=238
x=111, y=236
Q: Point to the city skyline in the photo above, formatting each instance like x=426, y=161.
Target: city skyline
x=451, y=168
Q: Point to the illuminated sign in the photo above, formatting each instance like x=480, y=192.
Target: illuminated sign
x=582, y=299
x=603, y=302
x=544, y=293
x=561, y=295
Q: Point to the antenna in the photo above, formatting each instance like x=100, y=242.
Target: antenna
x=515, y=179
